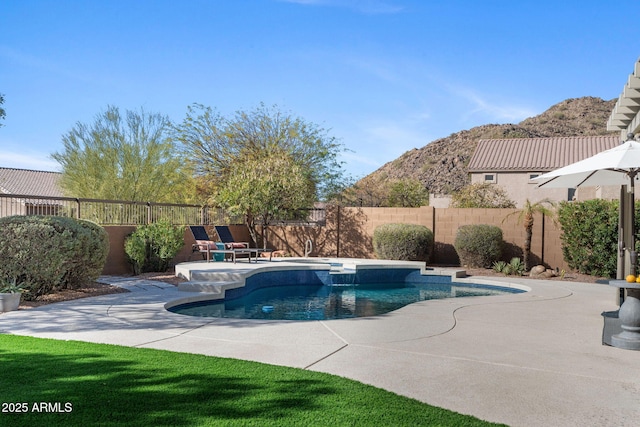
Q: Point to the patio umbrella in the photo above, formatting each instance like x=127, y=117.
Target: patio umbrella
x=617, y=166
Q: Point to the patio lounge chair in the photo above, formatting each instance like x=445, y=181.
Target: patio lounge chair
x=205, y=245
x=227, y=238
x=229, y=242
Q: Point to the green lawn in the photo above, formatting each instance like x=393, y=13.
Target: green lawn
x=88, y=384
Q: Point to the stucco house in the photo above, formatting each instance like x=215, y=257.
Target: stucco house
x=19, y=182
x=512, y=163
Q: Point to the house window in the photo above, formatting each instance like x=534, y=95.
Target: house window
x=490, y=178
x=571, y=194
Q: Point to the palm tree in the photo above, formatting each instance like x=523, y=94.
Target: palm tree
x=525, y=216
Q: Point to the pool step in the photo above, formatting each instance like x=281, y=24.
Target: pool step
x=217, y=276
x=209, y=287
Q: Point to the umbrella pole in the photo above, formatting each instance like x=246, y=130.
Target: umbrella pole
x=620, y=271
x=632, y=224
x=627, y=256
x=626, y=236
x=631, y=242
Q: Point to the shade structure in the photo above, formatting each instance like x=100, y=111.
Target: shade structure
x=617, y=166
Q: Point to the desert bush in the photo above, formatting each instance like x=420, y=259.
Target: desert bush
x=481, y=195
x=408, y=242
x=47, y=253
x=478, y=245
x=151, y=247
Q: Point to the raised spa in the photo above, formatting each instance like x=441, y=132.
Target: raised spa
x=326, y=294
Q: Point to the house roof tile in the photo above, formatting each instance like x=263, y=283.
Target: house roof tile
x=536, y=154
x=30, y=182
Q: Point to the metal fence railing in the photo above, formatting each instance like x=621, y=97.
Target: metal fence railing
x=112, y=212
x=118, y=212
x=310, y=217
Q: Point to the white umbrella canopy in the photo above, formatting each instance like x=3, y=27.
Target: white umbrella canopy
x=616, y=166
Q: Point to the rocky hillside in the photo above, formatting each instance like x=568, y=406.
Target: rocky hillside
x=442, y=164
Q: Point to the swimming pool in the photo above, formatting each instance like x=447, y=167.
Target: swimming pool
x=332, y=294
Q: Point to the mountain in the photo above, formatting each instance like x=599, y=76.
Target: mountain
x=441, y=165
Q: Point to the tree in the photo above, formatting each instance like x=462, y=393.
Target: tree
x=266, y=147
x=368, y=191
x=525, y=216
x=381, y=190
x=124, y=158
x=481, y=195
x=215, y=143
x=407, y=193
x=265, y=187
x=3, y=114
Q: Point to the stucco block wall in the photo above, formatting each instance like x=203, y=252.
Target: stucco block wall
x=349, y=233
x=117, y=259
x=117, y=263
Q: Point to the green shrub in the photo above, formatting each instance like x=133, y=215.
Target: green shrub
x=478, y=245
x=408, y=242
x=151, y=247
x=590, y=235
x=46, y=253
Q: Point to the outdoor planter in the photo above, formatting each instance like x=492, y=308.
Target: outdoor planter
x=9, y=301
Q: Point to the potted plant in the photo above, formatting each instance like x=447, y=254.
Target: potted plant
x=10, y=293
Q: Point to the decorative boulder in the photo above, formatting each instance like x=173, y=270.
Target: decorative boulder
x=538, y=269
x=540, y=272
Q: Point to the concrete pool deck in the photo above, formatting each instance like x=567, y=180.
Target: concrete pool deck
x=528, y=359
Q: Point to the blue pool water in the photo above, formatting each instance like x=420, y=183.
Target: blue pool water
x=331, y=297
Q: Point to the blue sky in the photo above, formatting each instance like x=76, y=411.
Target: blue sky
x=385, y=76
